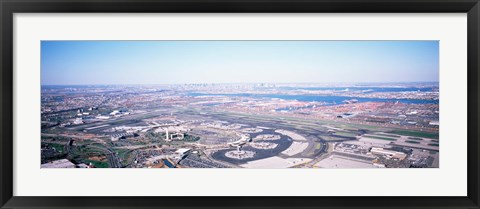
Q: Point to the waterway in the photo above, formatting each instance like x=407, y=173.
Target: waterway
x=365, y=89
x=168, y=163
x=329, y=100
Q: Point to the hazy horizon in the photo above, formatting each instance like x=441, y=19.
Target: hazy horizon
x=319, y=83
x=237, y=62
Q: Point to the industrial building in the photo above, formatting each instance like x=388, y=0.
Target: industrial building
x=63, y=163
x=388, y=153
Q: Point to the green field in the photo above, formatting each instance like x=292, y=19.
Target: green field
x=415, y=134
x=387, y=135
x=97, y=164
x=190, y=138
x=298, y=121
x=413, y=142
x=123, y=153
x=382, y=138
x=58, y=147
x=346, y=134
x=331, y=138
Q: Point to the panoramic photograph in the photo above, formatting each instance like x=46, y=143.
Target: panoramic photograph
x=240, y=104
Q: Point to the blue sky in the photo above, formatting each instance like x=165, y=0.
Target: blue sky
x=178, y=62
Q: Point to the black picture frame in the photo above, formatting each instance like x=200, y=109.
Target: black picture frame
x=10, y=7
